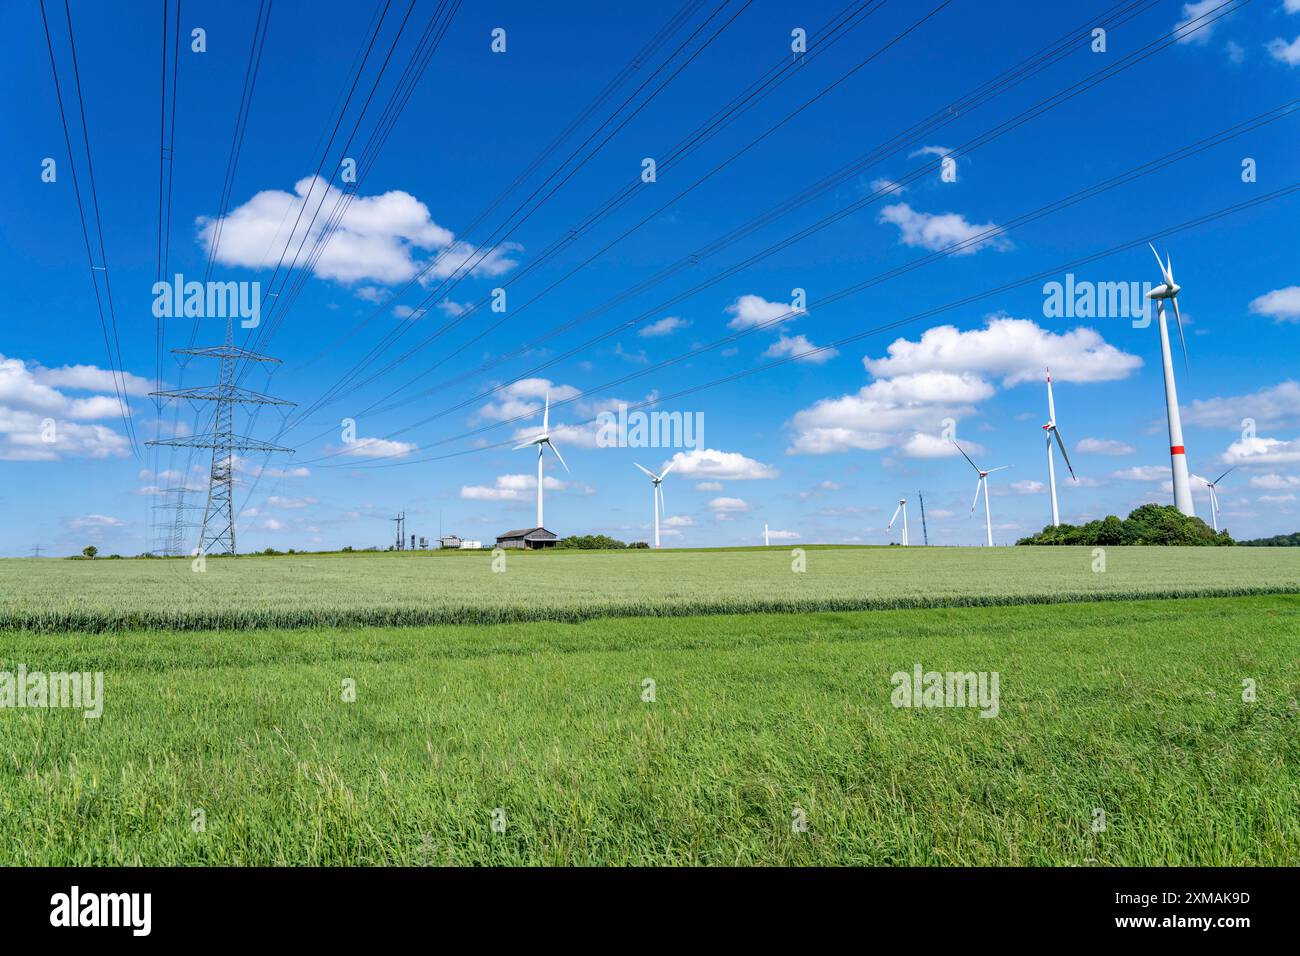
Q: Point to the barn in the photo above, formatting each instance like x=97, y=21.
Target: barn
x=531, y=538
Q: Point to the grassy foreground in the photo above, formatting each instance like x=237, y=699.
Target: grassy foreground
x=461, y=587
x=1131, y=707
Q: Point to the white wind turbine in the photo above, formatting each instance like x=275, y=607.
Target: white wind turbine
x=657, y=492
x=1168, y=290
x=982, y=485
x=1053, y=431
x=542, y=442
x=1214, y=495
x=902, y=506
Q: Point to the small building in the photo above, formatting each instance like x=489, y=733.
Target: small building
x=449, y=541
x=471, y=545
x=529, y=538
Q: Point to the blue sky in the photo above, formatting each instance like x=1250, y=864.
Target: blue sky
x=819, y=448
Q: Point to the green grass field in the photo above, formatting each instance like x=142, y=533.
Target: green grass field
x=1131, y=707
x=460, y=587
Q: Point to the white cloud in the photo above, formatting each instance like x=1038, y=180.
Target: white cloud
x=797, y=345
x=665, y=326
x=929, y=151
x=1275, y=482
x=511, y=488
x=1271, y=406
x=887, y=186
x=1193, y=11
x=723, y=508
x=1261, y=451
x=1028, y=487
x=1275, y=499
x=1288, y=53
x=95, y=521
x=1018, y=350
x=276, y=501
x=1144, y=473
x=872, y=418
x=774, y=535
x=936, y=231
x=752, y=310
x=1103, y=446
x=90, y=378
x=525, y=397
x=709, y=486
x=30, y=402
x=679, y=521
x=724, y=465
x=379, y=238
x=378, y=448
x=1236, y=53
x=1282, y=305
x=923, y=445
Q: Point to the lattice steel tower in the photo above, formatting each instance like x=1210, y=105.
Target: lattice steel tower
x=218, y=529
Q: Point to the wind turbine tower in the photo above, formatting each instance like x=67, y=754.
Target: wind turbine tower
x=1168, y=290
x=1214, y=495
x=982, y=485
x=656, y=493
x=543, y=441
x=1054, y=432
x=902, y=506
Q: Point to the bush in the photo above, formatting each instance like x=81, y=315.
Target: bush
x=592, y=542
x=1147, y=525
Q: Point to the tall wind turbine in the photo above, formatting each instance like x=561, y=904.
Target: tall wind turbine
x=1177, y=452
x=1053, y=431
x=902, y=506
x=543, y=441
x=982, y=485
x=657, y=492
x=1214, y=495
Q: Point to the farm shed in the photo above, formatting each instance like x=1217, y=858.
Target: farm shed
x=528, y=538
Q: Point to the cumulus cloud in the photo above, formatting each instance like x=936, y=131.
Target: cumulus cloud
x=1028, y=487
x=798, y=345
x=1281, y=305
x=751, y=310
x=709, y=486
x=937, y=231
x=724, y=508
x=1261, y=451
x=95, y=521
x=1144, y=473
x=385, y=238
x=1268, y=407
x=1193, y=11
x=378, y=448
x=665, y=326
x=1017, y=350
x=524, y=397
x=715, y=464
x=1103, y=446
x=38, y=422
x=1275, y=482
x=511, y=488
x=1288, y=53
x=774, y=535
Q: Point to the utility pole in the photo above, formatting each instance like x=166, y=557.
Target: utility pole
x=924, y=533
x=401, y=530
x=218, y=529
x=36, y=551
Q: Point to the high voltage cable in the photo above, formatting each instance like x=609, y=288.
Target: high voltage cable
x=878, y=330
x=1041, y=107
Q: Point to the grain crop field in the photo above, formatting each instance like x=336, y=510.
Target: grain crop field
x=460, y=587
x=1134, y=708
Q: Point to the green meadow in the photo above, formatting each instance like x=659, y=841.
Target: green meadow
x=683, y=740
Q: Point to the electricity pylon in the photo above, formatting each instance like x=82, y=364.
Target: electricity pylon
x=218, y=529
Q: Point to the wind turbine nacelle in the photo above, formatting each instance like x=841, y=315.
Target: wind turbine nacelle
x=1164, y=291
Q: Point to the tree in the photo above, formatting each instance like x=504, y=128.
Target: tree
x=89, y=551
x=1147, y=525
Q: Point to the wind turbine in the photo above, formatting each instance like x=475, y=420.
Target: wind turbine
x=982, y=485
x=1177, y=452
x=1052, y=430
x=542, y=442
x=902, y=506
x=657, y=492
x=1214, y=495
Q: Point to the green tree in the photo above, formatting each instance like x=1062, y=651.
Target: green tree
x=89, y=551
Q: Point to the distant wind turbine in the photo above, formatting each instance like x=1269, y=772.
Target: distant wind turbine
x=1214, y=494
x=982, y=485
x=1168, y=290
x=1053, y=431
x=657, y=492
x=902, y=506
x=543, y=441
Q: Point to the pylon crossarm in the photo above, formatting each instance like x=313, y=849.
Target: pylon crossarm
x=226, y=352
x=216, y=393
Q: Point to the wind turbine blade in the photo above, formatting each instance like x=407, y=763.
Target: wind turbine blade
x=1187, y=363
x=1051, y=405
x=528, y=444
x=1225, y=474
x=663, y=505
x=1214, y=500
x=1061, y=442
x=964, y=455
x=1160, y=264
x=557, y=454
x=893, y=519
x=1169, y=267
x=670, y=467
x=546, y=415
x=976, y=500
x=647, y=471
x=998, y=468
